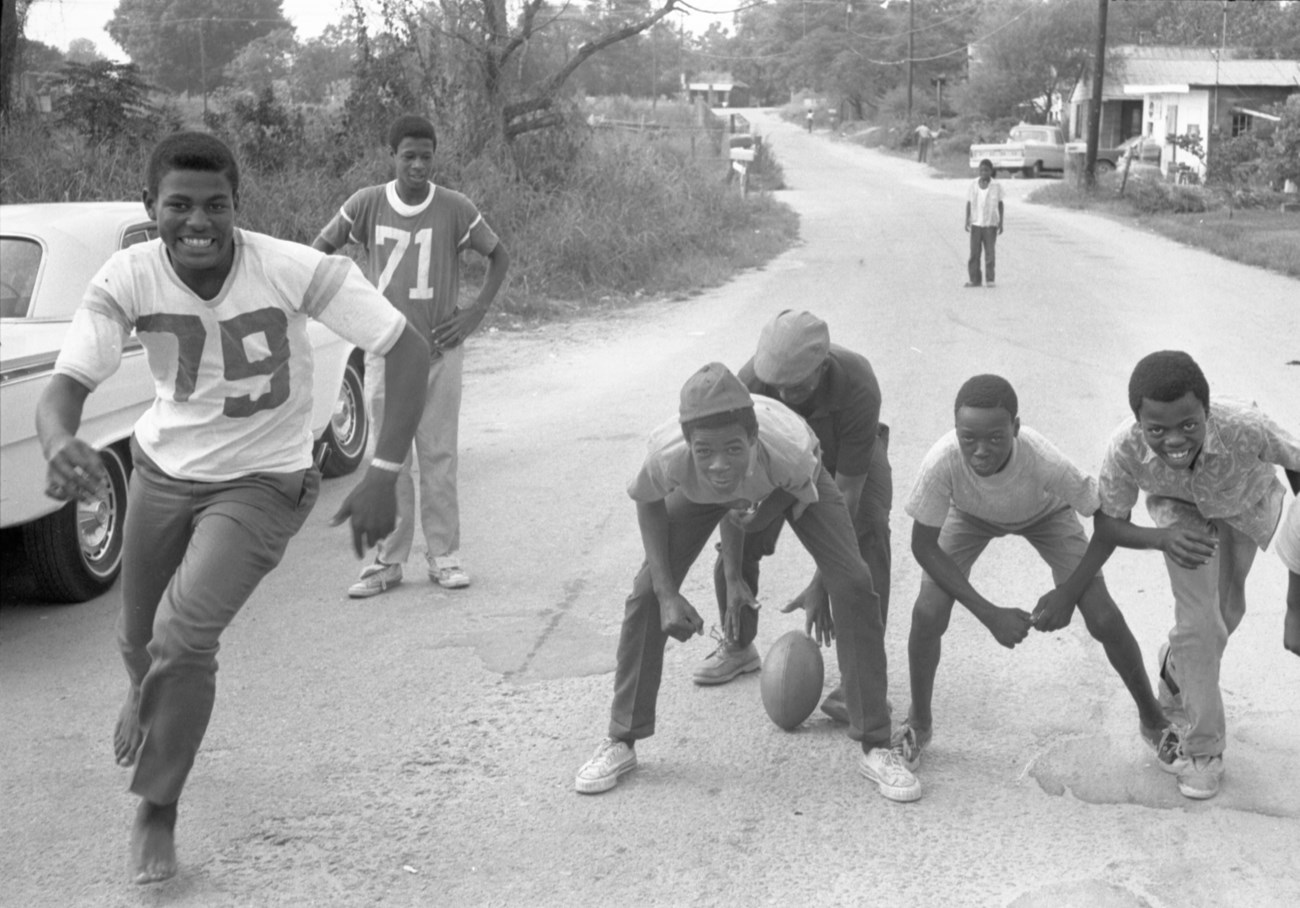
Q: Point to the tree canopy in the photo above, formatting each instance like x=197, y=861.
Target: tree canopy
x=184, y=45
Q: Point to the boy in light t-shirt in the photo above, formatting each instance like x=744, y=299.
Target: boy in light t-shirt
x=987, y=478
x=983, y=223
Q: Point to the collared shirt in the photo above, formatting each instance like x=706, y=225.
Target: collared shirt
x=984, y=203
x=1234, y=478
x=844, y=411
x=785, y=457
x=1037, y=480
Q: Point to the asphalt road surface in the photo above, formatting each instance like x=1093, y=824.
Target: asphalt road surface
x=419, y=749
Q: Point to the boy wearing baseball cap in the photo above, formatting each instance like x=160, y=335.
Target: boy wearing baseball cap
x=835, y=391
x=737, y=462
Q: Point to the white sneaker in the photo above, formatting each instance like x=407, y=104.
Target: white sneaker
x=374, y=579
x=885, y=767
x=612, y=759
x=447, y=572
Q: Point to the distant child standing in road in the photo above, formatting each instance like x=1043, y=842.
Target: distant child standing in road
x=1209, y=471
x=223, y=468
x=990, y=477
x=739, y=462
x=983, y=223
x=413, y=232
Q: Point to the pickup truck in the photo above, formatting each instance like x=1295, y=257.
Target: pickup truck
x=1034, y=150
x=48, y=254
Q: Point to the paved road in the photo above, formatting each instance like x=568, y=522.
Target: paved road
x=419, y=749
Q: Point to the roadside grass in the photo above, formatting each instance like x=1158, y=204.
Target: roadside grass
x=592, y=217
x=1262, y=235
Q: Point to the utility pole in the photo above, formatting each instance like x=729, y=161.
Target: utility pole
x=911, y=30
x=203, y=70
x=1094, y=110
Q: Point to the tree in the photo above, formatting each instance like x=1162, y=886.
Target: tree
x=13, y=14
x=184, y=45
x=323, y=62
x=459, y=58
x=263, y=61
x=83, y=50
x=105, y=100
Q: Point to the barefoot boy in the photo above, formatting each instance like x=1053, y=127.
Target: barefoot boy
x=413, y=233
x=1209, y=474
x=991, y=477
x=740, y=462
x=223, y=470
x=983, y=223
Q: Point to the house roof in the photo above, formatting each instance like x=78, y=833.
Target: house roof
x=1179, y=68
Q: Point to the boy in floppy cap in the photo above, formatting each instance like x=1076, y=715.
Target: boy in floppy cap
x=738, y=462
x=836, y=393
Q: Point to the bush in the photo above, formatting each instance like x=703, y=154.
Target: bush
x=1157, y=197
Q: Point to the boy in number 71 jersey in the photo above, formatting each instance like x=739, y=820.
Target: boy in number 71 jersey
x=413, y=232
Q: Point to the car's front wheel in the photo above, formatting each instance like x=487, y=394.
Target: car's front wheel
x=76, y=552
x=344, y=440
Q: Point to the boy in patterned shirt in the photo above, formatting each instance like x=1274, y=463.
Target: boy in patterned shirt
x=992, y=477
x=223, y=473
x=1209, y=471
x=413, y=232
x=738, y=462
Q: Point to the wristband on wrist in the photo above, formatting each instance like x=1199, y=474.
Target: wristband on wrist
x=389, y=465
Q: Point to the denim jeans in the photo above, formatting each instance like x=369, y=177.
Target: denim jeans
x=986, y=238
x=193, y=554
x=826, y=532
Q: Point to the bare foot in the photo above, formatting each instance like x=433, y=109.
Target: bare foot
x=153, y=843
x=126, y=736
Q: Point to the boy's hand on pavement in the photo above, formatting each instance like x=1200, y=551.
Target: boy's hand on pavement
x=816, y=605
x=678, y=618
x=1188, y=548
x=1009, y=626
x=371, y=507
x=1053, y=612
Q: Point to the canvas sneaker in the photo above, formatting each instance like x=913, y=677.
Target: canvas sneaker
x=909, y=742
x=612, y=759
x=1200, y=779
x=726, y=662
x=374, y=579
x=1168, y=745
x=884, y=766
x=447, y=572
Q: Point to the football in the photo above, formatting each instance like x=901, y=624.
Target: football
x=791, y=683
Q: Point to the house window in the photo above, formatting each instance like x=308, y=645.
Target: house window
x=1241, y=123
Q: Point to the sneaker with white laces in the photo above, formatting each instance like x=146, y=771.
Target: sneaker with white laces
x=726, y=662
x=1201, y=778
x=612, y=759
x=374, y=579
x=909, y=741
x=1167, y=743
x=885, y=767
x=447, y=572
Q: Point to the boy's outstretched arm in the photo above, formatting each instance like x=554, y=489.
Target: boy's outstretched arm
x=677, y=617
x=1009, y=626
x=372, y=504
x=1291, y=630
x=1055, y=609
x=739, y=595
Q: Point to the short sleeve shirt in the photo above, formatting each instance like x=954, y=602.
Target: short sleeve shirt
x=413, y=251
x=232, y=375
x=1234, y=478
x=1038, y=480
x=785, y=457
x=844, y=411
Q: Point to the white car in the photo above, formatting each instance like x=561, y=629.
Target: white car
x=48, y=254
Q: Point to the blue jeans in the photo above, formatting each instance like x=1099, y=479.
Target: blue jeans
x=193, y=554
x=985, y=238
x=827, y=533
x=871, y=526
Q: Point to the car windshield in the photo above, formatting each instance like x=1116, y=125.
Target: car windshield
x=20, y=262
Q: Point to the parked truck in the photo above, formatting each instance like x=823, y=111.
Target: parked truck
x=1034, y=150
